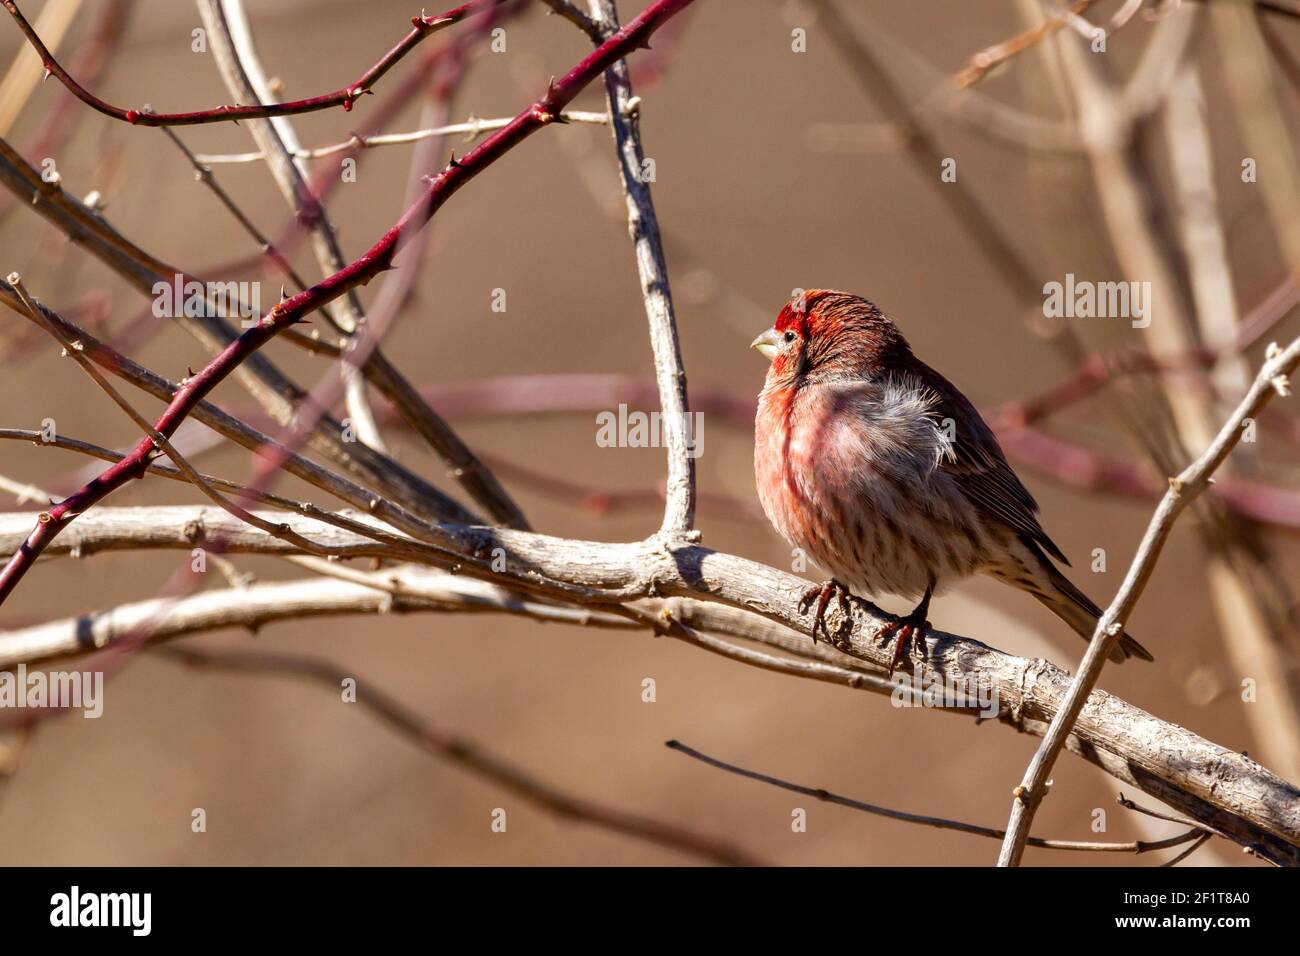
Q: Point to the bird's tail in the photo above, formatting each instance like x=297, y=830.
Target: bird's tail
x=1077, y=610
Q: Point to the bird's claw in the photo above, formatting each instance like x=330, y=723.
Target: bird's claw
x=823, y=594
x=911, y=627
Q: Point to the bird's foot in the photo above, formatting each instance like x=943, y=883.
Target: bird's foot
x=823, y=594
x=911, y=627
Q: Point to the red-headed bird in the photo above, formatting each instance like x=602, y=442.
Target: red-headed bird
x=883, y=473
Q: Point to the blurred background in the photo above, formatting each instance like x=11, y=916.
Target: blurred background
x=775, y=170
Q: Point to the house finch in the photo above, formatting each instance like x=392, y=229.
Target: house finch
x=885, y=475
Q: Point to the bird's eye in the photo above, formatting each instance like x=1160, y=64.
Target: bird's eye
x=790, y=336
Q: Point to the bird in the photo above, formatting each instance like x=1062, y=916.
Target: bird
x=884, y=474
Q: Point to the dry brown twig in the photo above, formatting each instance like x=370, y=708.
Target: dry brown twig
x=988, y=59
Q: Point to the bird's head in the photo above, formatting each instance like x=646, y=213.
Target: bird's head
x=822, y=335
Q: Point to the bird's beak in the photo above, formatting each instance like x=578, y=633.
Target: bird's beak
x=767, y=344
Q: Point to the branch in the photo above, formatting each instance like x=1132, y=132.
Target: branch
x=679, y=509
x=1253, y=623
x=1251, y=596
x=569, y=11
x=374, y=261
x=940, y=823
x=1216, y=787
x=1110, y=627
x=422, y=27
x=472, y=128
x=90, y=61
x=24, y=73
x=993, y=56
x=393, y=590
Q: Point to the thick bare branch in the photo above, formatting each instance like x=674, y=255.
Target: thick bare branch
x=1217, y=788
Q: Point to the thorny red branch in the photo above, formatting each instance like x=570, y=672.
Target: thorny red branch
x=378, y=258
x=89, y=61
x=421, y=28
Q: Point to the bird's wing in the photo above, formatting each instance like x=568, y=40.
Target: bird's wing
x=981, y=470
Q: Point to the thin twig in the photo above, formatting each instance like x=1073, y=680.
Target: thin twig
x=570, y=12
x=22, y=491
x=1200, y=842
x=993, y=56
x=940, y=823
x=204, y=175
x=472, y=128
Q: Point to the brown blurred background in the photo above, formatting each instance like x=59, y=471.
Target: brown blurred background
x=755, y=203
